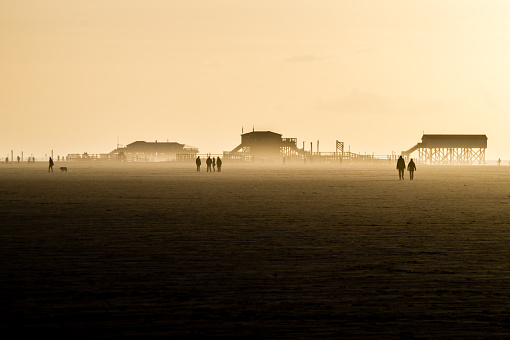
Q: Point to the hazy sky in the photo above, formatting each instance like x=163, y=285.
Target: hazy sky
x=77, y=75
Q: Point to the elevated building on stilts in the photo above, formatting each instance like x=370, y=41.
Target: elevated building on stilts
x=450, y=149
x=263, y=145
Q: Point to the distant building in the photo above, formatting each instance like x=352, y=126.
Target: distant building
x=264, y=145
x=155, y=151
x=450, y=149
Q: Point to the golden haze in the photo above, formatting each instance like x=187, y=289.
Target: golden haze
x=77, y=75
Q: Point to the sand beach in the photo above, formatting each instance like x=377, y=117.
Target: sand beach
x=256, y=251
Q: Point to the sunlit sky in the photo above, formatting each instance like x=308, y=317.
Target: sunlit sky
x=78, y=76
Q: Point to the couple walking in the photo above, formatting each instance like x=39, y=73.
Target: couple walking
x=401, y=166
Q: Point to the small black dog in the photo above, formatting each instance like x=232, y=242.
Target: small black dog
x=63, y=168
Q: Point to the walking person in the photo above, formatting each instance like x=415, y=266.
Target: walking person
x=218, y=163
x=214, y=164
x=50, y=167
x=208, y=162
x=198, y=162
x=411, y=167
x=401, y=166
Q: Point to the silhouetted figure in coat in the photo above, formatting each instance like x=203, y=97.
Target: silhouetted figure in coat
x=50, y=167
x=401, y=166
x=209, y=163
x=218, y=163
x=214, y=164
x=411, y=167
x=199, y=163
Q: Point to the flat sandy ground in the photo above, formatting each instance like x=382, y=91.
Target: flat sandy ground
x=295, y=251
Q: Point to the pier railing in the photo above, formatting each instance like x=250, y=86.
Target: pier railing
x=325, y=157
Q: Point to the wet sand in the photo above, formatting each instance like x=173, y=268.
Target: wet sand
x=148, y=250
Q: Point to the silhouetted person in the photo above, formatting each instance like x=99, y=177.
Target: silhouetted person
x=209, y=163
x=199, y=163
x=411, y=167
x=214, y=164
x=50, y=167
x=499, y=161
x=19, y=159
x=218, y=163
x=401, y=166
x=6, y=160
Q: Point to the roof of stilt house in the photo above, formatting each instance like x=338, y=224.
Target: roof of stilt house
x=154, y=147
